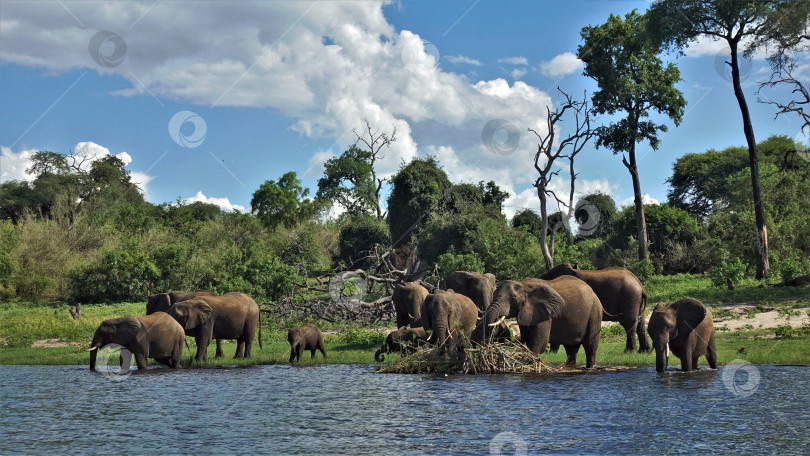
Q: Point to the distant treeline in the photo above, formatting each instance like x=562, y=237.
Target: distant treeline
x=82, y=232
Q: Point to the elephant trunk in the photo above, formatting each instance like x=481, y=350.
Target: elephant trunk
x=440, y=333
x=661, y=358
x=93, y=355
x=379, y=356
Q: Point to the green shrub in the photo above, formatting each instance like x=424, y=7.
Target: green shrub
x=452, y=261
x=733, y=269
x=119, y=275
x=644, y=270
x=357, y=335
x=792, y=265
x=360, y=234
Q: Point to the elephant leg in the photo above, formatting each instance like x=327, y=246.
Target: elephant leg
x=165, y=360
x=590, y=344
x=220, y=353
x=571, y=354
x=630, y=329
x=554, y=348
x=711, y=353
x=312, y=353
x=249, y=346
x=125, y=361
x=240, y=349
x=686, y=362
x=202, y=347
x=643, y=342
x=536, y=338
x=140, y=360
x=695, y=362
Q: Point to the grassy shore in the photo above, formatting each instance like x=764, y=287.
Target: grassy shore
x=22, y=324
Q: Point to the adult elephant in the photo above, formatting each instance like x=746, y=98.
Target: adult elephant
x=230, y=316
x=156, y=336
x=408, y=298
x=684, y=328
x=478, y=287
x=563, y=311
x=447, y=314
x=622, y=295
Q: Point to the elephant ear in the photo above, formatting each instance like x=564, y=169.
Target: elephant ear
x=158, y=303
x=199, y=313
x=543, y=303
x=690, y=313
x=126, y=330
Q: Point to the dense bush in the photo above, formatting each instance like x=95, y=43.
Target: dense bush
x=451, y=261
x=791, y=265
x=733, y=269
x=119, y=275
x=510, y=254
x=644, y=270
x=359, y=234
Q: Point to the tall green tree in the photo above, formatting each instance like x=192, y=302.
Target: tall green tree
x=623, y=59
x=416, y=191
x=680, y=22
x=283, y=202
x=348, y=181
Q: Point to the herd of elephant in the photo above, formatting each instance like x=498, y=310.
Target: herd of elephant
x=564, y=307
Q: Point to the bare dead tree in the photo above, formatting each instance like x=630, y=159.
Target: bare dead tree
x=548, y=150
x=783, y=74
x=375, y=142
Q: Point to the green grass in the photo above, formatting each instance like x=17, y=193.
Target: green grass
x=672, y=288
x=23, y=323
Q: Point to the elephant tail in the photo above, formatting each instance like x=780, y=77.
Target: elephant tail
x=643, y=303
x=260, y=328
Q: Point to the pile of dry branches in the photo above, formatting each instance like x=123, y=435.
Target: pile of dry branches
x=494, y=358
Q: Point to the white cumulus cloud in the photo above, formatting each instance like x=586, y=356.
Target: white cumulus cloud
x=514, y=60
x=223, y=203
x=13, y=165
x=560, y=65
x=462, y=59
x=645, y=198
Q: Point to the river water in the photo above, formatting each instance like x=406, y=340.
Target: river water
x=348, y=409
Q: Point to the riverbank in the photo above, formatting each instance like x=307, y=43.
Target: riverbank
x=759, y=324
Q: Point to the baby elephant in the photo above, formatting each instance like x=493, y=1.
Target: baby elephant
x=401, y=340
x=684, y=328
x=307, y=337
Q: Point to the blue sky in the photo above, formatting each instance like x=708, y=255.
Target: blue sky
x=280, y=85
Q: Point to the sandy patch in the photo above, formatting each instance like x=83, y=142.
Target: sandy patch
x=762, y=320
x=53, y=343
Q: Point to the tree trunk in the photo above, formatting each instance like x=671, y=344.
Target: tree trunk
x=763, y=266
x=641, y=223
x=547, y=258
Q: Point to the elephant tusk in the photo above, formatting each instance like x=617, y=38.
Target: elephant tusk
x=93, y=348
x=667, y=349
x=498, y=322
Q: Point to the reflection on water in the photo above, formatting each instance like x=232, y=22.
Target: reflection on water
x=350, y=410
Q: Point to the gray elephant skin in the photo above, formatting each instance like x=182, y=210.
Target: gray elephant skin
x=621, y=293
x=564, y=311
x=408, y=298
x=161, y=302
x=402, y=340
x=446, y=314
x=307, y=337
x=685, y=329
x=478, y=287
x=157, y=336
x=230, y=316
